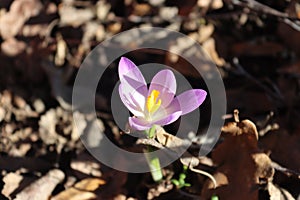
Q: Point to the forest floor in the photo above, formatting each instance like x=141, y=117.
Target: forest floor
x=255, y=46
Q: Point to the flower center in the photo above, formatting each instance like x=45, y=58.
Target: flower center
x=153, y=103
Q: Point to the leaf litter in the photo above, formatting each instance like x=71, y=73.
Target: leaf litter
x=255, y=46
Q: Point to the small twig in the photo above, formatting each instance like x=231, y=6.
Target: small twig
x=292, y=24
x=270, y=127
x=259, y=7
x=284, y=170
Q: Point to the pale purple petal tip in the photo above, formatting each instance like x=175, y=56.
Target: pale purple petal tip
x=190, y=100
x=129, y=72
x=164, y=82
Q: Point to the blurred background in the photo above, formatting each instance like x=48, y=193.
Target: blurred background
x=255, y=45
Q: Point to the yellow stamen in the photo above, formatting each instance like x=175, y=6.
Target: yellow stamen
x=153, y=103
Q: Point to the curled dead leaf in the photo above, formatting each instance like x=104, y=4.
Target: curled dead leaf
x=264, y=169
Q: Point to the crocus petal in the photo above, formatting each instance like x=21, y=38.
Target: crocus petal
x=130, y=76
x=190, y=100
x=168, y=119
x=133, y=83
x=164, y=82
x=162, y=112
x=139, y=124
x=128, y=69
x=131, y=102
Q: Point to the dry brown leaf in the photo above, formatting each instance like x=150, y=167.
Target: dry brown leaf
x=142, y=9
x=114, y=28
x=210, y=46
x=168, y=139
x=12, y=47
x=213, y=4
x=74, y=194
x=20, y=150
x=220, y=178
x=43, y=187
x=264, y=167
x=81, y=190
x=72, y=16
x=244, y=128
x=284, y=147
x=277, y=193
x=168, y=13
x=235, y=161
x=12, y=181
x=48, y=125
x=61, y=51
x=20, y=11
x=87, y=167
x=205, y=32
x=34, y=30
x=89, y=184
x=102, y=10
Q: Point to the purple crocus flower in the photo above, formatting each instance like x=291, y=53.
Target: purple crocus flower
x=158, y=104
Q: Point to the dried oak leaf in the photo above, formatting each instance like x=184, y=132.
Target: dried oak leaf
x=234, y=158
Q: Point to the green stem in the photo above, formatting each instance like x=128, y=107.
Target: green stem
x=154, y=164
x=152, y=158
x=151, y=132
